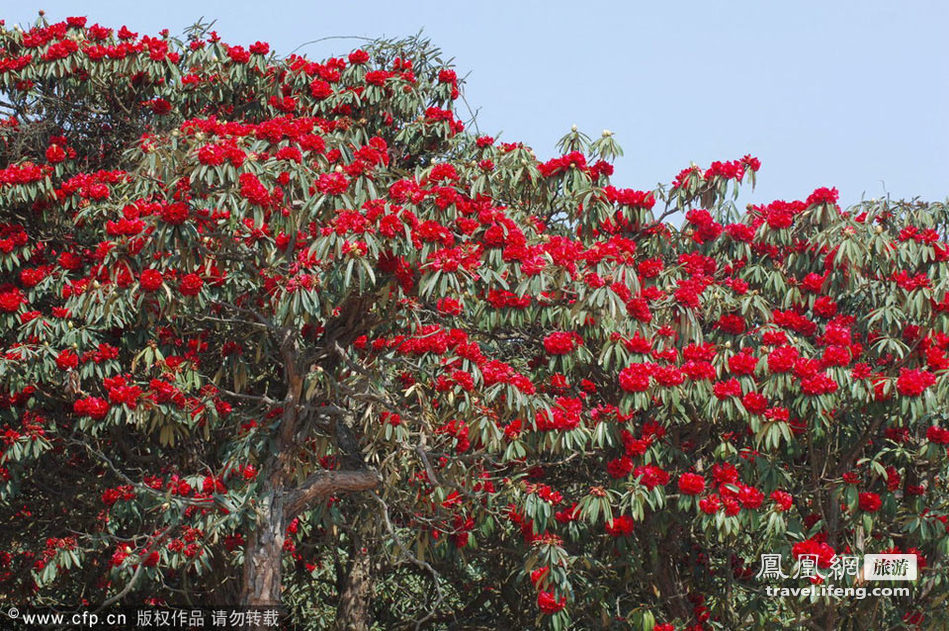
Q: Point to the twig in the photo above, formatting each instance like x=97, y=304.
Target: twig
x=440, y=596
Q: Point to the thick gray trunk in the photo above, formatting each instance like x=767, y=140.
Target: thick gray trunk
x=263, y=555
x=352, y=612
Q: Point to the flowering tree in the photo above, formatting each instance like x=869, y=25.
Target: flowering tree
x=277, y=330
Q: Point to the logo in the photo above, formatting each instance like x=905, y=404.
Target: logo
x=889, y=567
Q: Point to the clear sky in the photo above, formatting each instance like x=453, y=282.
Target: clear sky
x=845, y=93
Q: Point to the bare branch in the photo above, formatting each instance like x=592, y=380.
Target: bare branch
x=325, y=483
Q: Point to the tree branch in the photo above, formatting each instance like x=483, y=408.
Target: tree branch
x=326, y=483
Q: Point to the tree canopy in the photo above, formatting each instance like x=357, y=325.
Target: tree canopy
x=278, y=330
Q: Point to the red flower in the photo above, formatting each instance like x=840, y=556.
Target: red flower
x=253, y=190
x=67, y=360
x=635, y=377
x=619, y=467
x=818, y=384
x=710, y=504
x=358, y=57
x=175, y=214
x=320, y=89
x=825, y=307
x=651, y=476
x=813, y=282
x=238, y=54
x=691, y=483
x=823, y=196
x=635, y=446
x=93, y=407
x=291, y=154
x=629, y=197
x=621, y=526
x=463, y=379
x=377, y=77
x=731, y=323
x=938, y=435
x=750, y=497
x=814, y=547
x=332, y=183
x=190, y=285
x=568, y=515
x=448, y=306
x=869, y=502
x=726, y=389
x=11, y=299
x=159, y=106
x=893, y=478
x=561, y=343
x=151, y=280
x=447, y=76
x=755, y=402
x=55, y=154
x=538, y=574
x=743, y=363
x=668, y=376
x=782, y=500
x=912, y=383
x=111, y=496
x=549, y=604
x=124, y=394
x=31, y=277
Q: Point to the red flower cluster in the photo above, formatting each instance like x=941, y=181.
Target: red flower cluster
x=93, y=407
x=550, y=604
x=252, y=190
x=691, y=484
x=190, y=285
x=629, y=197
x=869, y=502
x=782, y=500
x=621, y=526
x=332, y=183
x=635, y=377
x=938, y=435
x=815, y=547
x=912, y=383
x=151, y=280
x=562, y=343
x=823, y=196
x=706, y=228
x=11, y=299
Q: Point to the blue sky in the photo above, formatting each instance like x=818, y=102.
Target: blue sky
x=847, y=94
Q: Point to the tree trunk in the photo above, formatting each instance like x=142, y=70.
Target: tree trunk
x=352, y=612
x=665, y=574
x=263, y=554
